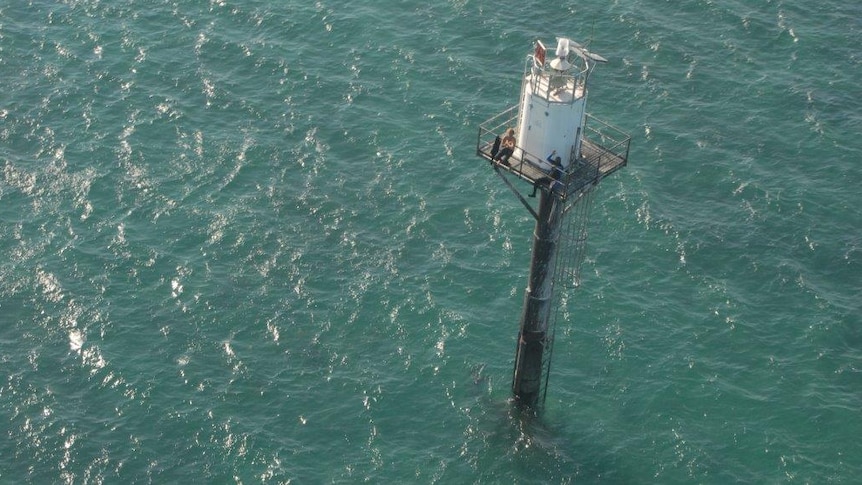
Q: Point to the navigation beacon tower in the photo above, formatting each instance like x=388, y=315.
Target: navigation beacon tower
x=551, y=121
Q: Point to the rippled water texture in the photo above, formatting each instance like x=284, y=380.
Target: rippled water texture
x=251, y=242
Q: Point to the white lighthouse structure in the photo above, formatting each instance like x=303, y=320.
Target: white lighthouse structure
x=561, y=152
x=552, y=102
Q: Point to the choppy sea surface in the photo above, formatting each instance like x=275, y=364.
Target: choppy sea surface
x=247, y=241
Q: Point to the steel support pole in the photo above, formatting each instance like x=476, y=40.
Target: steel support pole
x=532, y=338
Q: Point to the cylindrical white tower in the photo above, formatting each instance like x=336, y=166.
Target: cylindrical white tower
x=552, y=112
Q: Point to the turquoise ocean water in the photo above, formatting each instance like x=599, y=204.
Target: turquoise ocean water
x=245, y=241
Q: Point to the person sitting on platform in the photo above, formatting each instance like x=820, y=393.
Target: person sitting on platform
x=507, y=147
x=556, y=173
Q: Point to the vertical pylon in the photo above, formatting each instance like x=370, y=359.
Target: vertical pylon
x=538, y=298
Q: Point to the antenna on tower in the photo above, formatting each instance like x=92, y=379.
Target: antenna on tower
x=548, y=143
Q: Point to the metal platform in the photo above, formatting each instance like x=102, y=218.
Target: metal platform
x=604, y=150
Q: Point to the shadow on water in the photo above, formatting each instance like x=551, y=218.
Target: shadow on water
x=512, y=443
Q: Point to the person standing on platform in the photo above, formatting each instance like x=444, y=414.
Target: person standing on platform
x=556, y=173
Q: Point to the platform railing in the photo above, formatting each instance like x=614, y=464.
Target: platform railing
x=545, y=82
x=612, y=139
x=494, y=127
x=603, y=150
